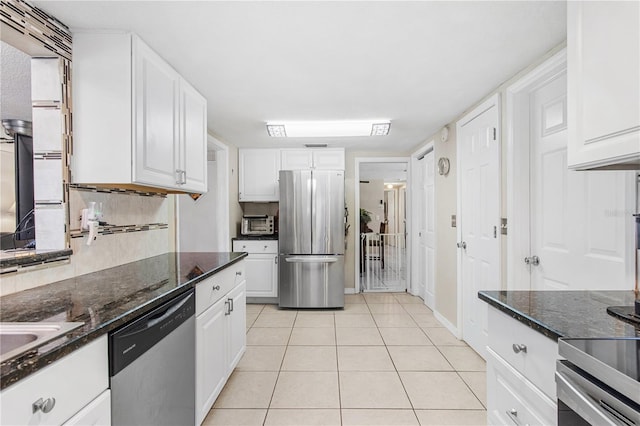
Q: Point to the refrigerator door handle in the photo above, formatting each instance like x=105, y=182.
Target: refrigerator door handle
x=311, y=259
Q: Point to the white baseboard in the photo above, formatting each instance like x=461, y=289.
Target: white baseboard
x=448, y=325
x=350, y=290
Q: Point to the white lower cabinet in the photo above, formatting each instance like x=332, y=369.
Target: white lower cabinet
x=220, y=334
x=521, y=364
x=97, y=413
x=261, y=266
x=62, y=390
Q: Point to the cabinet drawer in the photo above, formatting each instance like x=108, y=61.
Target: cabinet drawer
x=512, y=399
x=538, y=363
x=97, y=413
x=74, y=381
x=253, y=246
x=213, y=288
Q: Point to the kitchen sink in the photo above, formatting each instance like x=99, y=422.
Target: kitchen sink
x=19, y=337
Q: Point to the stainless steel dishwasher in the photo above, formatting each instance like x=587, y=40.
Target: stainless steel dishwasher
x=152, y=366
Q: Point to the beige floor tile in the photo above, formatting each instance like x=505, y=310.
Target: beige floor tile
x=405, y=336
x=387, y=308
x=353, y=298
x=360, y=417
x=354, y=308
x=306, y=390
x=317, y=320
x=235, y=417
x=394, y=320
x=417, y=308
x=409, y=299
x=418, y=358
x=247, y=389
x=438, y=390
x=306, y=417
x=452, y=417
x=254, y=308
x=426, y=320
x=262, y=358
x=317, y=311
x=274, y=320
x=477, y=381
x=358, y=336
x=268, y=336
x=355, y=320
x=463, y=358
x=372, y=390
x=271, y=308
x=313, y=336
x=364, y=358
x=251, y=318
x=372, y=298
x=441, y=336
x=310, y=358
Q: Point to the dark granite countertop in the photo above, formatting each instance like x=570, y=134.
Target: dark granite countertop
x=255, y=237
x=15, y=258
x=556, y=314
x=103, y=300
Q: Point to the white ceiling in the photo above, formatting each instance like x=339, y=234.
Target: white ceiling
x=389, y=172
x=15, y=83
x=420, y=64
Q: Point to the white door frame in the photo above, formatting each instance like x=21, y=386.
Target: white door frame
x=414, y=212
x=356, y=234
x=518, y=158
x=222, y=155
x=493, y=101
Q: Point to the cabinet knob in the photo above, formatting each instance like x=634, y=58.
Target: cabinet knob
x=238, y=272
x=519, y=347
x=45, y=405
x=217, y=287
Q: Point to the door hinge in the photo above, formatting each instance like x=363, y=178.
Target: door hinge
x=503, y=226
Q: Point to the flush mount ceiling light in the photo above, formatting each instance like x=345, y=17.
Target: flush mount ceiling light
x=319, y=129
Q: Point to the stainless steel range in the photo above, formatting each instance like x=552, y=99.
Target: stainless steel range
x=599, y=382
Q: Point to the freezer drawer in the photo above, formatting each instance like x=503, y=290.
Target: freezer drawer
x=311, y=281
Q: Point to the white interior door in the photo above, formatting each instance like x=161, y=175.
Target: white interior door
x=578, y=218
x=479, y=221
x=429, y=229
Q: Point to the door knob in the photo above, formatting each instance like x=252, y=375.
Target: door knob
x=462, y=244
x=533, y=260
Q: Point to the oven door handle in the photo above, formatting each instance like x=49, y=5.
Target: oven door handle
x=574, y=397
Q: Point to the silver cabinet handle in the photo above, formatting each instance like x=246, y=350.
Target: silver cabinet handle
x=533, y=260
x=519, y=347
x=43, y=405
x=227, y=311
x=230, y=305
x=310, y=259
x=275, y=259
x=184, y=176
x=238, y=272
x=217, y=287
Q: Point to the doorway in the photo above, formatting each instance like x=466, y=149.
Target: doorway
x=571, y=229
x=479, y=218
x=381, y=249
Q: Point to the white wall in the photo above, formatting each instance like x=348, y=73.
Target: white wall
x=371, y=195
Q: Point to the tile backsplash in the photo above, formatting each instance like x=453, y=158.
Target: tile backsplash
x=107, y=250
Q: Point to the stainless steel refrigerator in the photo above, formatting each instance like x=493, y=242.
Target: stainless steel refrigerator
x=311, y=239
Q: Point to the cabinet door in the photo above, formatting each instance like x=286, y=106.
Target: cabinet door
x=296, y=159
x=258, y=176
x=328, y=159
x=237, y=321
x=193, y=139
x=604, y=88
x=155, y=98
x=211, y=356
x=262, y=275
x=97, y=413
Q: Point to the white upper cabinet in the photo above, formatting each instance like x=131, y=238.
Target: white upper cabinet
x=603, y=47
x=258, y=174
x=319, y=159
x=136, y=120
